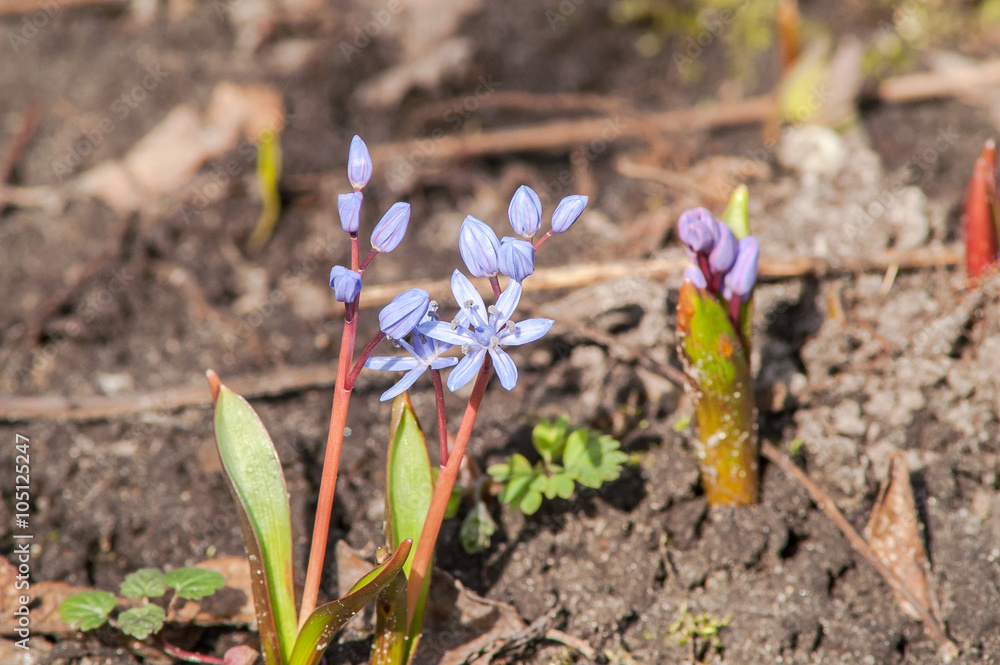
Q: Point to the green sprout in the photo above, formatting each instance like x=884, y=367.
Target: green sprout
x=567, y=457
x=697, y=628
x=92, y=609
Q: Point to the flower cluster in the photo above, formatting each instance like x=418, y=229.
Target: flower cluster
x=479, y=330
x=720, y=264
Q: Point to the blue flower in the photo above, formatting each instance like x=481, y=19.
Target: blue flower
x=424, y=354
x=391, y=228
x=525, y=212
x=401, y=316
x=693, y=274
x=488, y=331
x=567, y=212
x=722, y=256
x=349, y=207
x=346, y=284
x=740, y=279
x=698, y=230
x=517, y=258
x=359, y=164
x=479, y=247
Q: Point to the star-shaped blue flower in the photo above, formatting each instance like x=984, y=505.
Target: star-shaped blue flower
x=480, y=331
x=425, y=353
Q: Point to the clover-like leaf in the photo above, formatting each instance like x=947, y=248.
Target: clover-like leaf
x=87, y=610
x=141, y=622
x=549, y=438
x=143, y=583
x=559, y=485
x=194, y=583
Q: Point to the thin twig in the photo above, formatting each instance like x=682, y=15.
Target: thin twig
x=585, y=274
x=30, y=120
x=14, y=7
x=826, y=504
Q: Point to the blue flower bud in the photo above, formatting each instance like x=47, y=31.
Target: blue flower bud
x=391, y=228
x=694, y=275
x=479, y=247
x=525, y=212
x=517, y=258
x=567, y=212
x=741, y=277
x=722, y=256
x=400, y=317
x=359, y=164
x=697, y=229
x=349, y=207
x=346, y=284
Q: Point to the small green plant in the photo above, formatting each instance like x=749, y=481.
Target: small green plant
x=702, y=630
x=92, y=609
x=568, y=457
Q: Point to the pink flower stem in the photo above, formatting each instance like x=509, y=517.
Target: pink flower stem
x=442, y=418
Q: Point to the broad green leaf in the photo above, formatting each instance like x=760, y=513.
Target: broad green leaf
x=521, y=476
x=391, y=644
x=254, y=472
x=194, y=583
x=141, y=622
x=582, y=450
x=477, y=529
x=549, y=438
x=531, y=501
x=500, y=473
x=143, y=583
x=561, y=485
x=322, y=625
x=87, y=610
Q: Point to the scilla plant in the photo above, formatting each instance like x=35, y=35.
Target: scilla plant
x=417, y=495
x=714, y=314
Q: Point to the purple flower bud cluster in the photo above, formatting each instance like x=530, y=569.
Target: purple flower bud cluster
x=721, y=264
x=486, y=256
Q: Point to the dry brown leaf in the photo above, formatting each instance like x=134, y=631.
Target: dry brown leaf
x=45, y=598
x=240, y=655
x=231, y=606
x=459, y=626
x=425, y=30
x=893, y=532
x=169, y=156
x=36, y=653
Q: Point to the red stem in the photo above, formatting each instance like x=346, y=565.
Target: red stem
x=365, y=354
x=331, y=461
x=442, y=418
x=543, y=239
x=442, y=492
x=495, y=283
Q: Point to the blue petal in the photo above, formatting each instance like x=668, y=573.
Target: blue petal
x=403, y=384
x=442, y=331
x=466, y=369
x=524, y=332
x=525, y=212
x=392, y=363
x=506, y=304
x=478, y=245
x=567, y=212
x=505, y=368
x=391, y=228
x=465, y=292
x=359, y=163
x=442, y=363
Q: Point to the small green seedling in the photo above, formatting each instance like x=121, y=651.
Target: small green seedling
x=568, y=457
x=92, y=609
x=700, y=629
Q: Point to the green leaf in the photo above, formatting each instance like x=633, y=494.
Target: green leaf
x=561, y=485
x=194, y=583
x=322, y=626
x=454, y=503
x=391, y=644
x=737, y=215
x=531, y=501
x=87, y=610
x=409, y=487
x=268, y=175
x=549, y=438
x=500, y=473
x=254, y=472
x=477, y=529
x=141, y=622
x=521, y=476
x=143, y=583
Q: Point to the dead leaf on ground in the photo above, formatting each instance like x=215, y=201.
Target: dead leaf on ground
x=459, y=625
x=425, y=30
x=36, y=653
x=169, y=156
x=893, y=532
x=231, y=606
